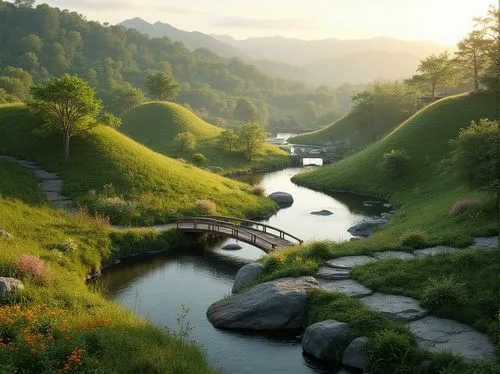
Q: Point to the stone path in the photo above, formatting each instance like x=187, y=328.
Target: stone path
x=431, y=333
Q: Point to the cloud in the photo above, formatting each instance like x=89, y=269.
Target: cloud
x=269, y=24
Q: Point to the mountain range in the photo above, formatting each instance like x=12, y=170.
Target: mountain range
x=326, y=61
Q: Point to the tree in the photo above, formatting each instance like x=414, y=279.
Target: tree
x=252, y=138
x=16, y=82
x=490, y=26
x=68, y=105
x=436, y=70
x=228, y=140
x=24, y=3
x=471, y=54
x=126, y=97
x=162, y=86
x=246, y=110
x=187, y=140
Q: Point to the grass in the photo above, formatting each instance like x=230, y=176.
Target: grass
x=156, y=125
x=60, y=321
x=132, y=184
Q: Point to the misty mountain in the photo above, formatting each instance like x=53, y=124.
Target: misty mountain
x=191, y=39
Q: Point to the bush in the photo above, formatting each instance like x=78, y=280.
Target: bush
x=475, y=155
x=206, y=207
x=395, y=163
x=462, y=205
x=200, y=159
x=32, y=267
x=258, y=190
x=414, y=239
x=69, y=245
x=320, y=250
x=443, y=296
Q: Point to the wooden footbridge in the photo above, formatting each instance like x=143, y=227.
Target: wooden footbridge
x=265, y=237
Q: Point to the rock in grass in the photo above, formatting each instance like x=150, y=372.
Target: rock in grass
x=354, y=355
x=323, y=339
x=398, y=308
x=276, y=305
x=9, y=285
x=366, y=228
x=246, y=274
x=5, y=234
x=283, y=199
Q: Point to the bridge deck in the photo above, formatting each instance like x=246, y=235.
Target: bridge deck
x=261, y=238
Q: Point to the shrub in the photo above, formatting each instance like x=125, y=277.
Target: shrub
x=414, y=239
x=462, y=205
x=475, y=155
x=320, y=250
x=32, y=267
x=395, y=163
x=258, y=190
x=200, y=159
x=69, y=245
x=206, y=207
x=187, y=141
x=443, y=296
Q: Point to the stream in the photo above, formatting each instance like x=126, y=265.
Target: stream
x=160, y=287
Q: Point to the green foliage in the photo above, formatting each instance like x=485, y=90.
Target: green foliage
x=252, y=138
x=444, y=295
x=395, y=163
x=187, y=141
x=162, y=86
x=476, y=157
x=200, y=159
x=228, y=140
x=436, y=70
x=414, y=239
x=126, y=97
x=16, y=83
x=471, y=55
x=246, y=110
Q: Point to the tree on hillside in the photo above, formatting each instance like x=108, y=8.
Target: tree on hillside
x=228, y=140
x=436, y=70
x=252, y=138
x=16, y=82
x=69, y=106
x=471, y=54
x=246, y=110
x=490, y=26
x=162, y=86
x=125, y=97
x=187, y=141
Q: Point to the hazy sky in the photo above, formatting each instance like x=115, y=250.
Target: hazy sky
x=445, y=21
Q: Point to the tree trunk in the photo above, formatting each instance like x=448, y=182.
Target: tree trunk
x=476, y=75
x=66, y=138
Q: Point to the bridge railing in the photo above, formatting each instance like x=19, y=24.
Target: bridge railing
x=257, y=226
x=214, y=224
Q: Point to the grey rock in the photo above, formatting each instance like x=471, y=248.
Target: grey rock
x=246, y=274
x=386, y=216
x=323, y=338
x=5, y=234
x=232, y=247
x=45, y=175
x=387, y=205
x=354, y=355
x=444, y=335
x=51, y=185
x=329, y=273
x=398, y=308
x=276, y=305
x=283, y=199
x=9, y=285
x=347, y=286
x=348, y=262
x=391, y=255
x=486, y=243
x=434, y=251
x=323, y=212
x=366, y=228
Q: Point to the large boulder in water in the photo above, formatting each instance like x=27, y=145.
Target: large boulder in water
x=323, y=339
x=276, y=305
x=283, y=199
x=246, y=274
x=366, y=228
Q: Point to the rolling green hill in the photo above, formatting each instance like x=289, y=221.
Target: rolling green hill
x=157, y=124
x=146, y=187
x=340, y=129
x=424, y=193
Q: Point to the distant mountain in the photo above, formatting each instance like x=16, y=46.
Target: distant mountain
x=191, y=39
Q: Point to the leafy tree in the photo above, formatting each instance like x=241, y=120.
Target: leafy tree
x=126, y=97
x=162, y=86
x=16, y=82
x=395, y=163
x=228, y=140
x=471, y=54
x=246, y=110
x=252, y=138
x=24, y=3
x=187, y=141
x=490, y=27
x=476, y=155
x=69, y=106
x=436, y=70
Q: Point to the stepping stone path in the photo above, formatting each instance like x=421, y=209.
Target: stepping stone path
x=51, y=184
x=431, y=333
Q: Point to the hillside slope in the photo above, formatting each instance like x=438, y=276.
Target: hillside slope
x=425, y=194
x=146, y=187
x=157, y=124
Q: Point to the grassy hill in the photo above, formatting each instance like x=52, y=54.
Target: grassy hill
x=132, y=184
x=424, y=194
x=156, y=125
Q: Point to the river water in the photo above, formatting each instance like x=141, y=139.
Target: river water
x=159, y=287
